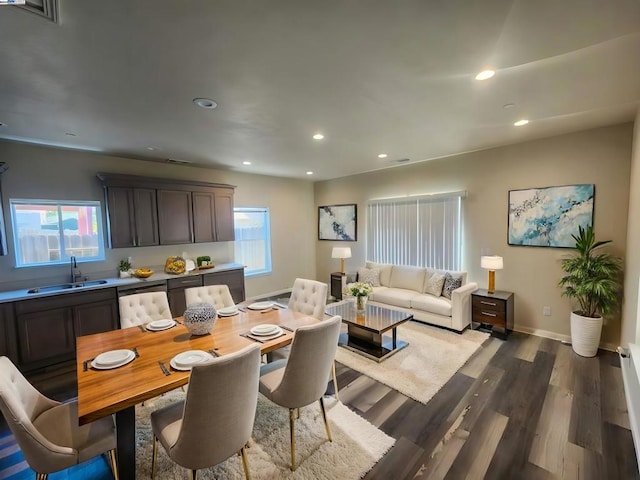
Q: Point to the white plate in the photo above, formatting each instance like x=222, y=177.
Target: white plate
x=185, y=360
x=228, y=311
x=266, y=333
x=260, y=305
x=113, y=357
x=124, y=361
x=160, y=324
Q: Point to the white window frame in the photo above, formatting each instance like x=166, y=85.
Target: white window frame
x=64, y=259
x=418, y=230
x=253, y=272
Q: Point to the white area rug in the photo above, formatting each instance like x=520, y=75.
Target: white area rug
x=357, y=445
x=422, y=368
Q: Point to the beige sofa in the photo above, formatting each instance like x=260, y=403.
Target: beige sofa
x=404, y=288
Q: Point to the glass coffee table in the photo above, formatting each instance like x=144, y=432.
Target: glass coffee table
x=365, y=331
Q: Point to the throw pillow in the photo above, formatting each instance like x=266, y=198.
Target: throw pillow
x=370, y=276
x=434, y=284
x=450, y=284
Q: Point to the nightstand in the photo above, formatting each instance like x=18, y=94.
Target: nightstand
x=494, y=310
x=338, y=282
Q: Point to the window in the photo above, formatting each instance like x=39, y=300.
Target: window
x=47, y=232
x=253, y=239
x=424, y=231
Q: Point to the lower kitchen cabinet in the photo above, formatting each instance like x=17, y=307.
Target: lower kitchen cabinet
x=234, y=279
x=8, y=338
x=47, y=326
x=175, y=292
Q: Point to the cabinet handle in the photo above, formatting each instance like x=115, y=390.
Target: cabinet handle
x=489, y=314
x=488, y=303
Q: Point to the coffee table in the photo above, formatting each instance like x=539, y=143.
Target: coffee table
x=365, y=331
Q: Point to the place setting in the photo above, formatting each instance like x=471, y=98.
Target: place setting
x=264, y=332
x=160, y=325
x=111, y=359
x=185, y=361
x=228, y=311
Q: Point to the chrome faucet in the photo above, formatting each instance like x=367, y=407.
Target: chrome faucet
x=75, y=271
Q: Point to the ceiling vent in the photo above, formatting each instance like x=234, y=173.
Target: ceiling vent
x=45, y=8
x=401, y=160
x=178, y=162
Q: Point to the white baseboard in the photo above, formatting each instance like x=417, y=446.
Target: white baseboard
x=558, y=336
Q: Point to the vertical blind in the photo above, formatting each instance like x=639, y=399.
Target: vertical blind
x=425, y=231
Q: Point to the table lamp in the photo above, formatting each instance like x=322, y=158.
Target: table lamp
x=491, y=263
x=341, y=253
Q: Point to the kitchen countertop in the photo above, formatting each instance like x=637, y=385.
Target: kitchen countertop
x=158, y=277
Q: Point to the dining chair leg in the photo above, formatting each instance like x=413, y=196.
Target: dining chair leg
x=42, y=476
x=297, y=412
x=245, y=463
x=335, y=379
x=153, y=457
x=193, y=475
x=114, y=463
x=324, y=416
x=292, y=419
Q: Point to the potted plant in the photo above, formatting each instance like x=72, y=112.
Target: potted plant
x=361, y=292
x=593, y=279
x=125, y=268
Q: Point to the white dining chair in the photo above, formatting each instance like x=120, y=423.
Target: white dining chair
x=142, y=308
x=217, y=295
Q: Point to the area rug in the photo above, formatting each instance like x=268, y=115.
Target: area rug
x=422, y=368
x=357, y=445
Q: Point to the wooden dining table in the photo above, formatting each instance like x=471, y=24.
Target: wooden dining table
x=117, y=391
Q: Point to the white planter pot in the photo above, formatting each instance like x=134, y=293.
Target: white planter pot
x=585, y=334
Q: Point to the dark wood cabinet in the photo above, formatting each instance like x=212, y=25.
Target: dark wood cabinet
x=8, y=337
x=204, y=217
x=234, y=279
x=175, y=292
x=132, y=217
x=338, y=282
x=47, y=326
x=175, y=217
x=224, y=215
x=494, y=310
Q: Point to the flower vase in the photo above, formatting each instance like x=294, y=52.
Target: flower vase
x=361, y=303
x=199, y=318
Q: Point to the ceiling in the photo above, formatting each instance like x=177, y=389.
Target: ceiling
x=373, y=76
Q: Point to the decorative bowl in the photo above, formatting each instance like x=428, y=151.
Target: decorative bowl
x=143, y=272
x=199, y=318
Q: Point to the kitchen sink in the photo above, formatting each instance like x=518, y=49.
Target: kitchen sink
x=66, y=286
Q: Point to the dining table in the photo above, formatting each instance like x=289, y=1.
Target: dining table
x=103, y=392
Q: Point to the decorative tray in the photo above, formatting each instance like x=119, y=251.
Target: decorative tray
x=205, y=267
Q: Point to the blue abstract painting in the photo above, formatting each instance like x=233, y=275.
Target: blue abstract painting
x=337, y=222
x=547, y=217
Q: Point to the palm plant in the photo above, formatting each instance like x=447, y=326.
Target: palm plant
x=591, y=278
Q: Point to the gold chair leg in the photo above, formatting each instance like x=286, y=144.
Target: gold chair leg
x=193, y=475
x=324, y=416
x=42, y=476
x=245, y=464
x=335, y=379
x=292, y=419
x=153, y=457
x=297, y=412
x=114, y=463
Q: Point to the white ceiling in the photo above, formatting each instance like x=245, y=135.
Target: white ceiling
x=372, y=75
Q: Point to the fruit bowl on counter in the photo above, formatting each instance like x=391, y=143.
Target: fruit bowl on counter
x=142, y=272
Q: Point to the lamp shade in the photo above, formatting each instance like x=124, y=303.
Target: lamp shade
x=491, y=262
x=341, y=252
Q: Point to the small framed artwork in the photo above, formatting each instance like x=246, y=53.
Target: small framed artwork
x=338, y=222
x=547, y=217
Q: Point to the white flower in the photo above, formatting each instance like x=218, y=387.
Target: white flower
x=358, y=289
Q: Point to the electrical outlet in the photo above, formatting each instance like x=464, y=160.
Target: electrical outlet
x=546, y=311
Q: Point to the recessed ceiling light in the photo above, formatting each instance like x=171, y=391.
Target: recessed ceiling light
x=521, y=123
x=318, y=136
x=508, y=105
x=205, y=103
x=246, y=163
x=382, y=155
x=485, y=74
x=69, y=134
x=309, y=173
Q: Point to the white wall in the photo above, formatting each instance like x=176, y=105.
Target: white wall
x=600, y=156
x=45, y=173
x=630, y=326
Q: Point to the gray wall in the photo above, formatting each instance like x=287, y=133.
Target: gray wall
x=45, y=173
x=600, y=156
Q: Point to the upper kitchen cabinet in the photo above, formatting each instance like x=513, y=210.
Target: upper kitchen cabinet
x=143, y=211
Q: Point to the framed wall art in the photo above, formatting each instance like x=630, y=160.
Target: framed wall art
x=338, y=222
x=547, y=217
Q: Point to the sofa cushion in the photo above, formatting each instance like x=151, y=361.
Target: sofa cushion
x=454, y=273
x=394, y=296
x=370, y=276
x=429, y=303
x=385, y=272
x=451, y=282
x=407, y=277
x=434, y=283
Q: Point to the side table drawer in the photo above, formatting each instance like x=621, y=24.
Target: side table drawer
x=489, y=305
x=485, y=315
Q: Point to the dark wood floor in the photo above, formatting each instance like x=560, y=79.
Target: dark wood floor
x=528, y=408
